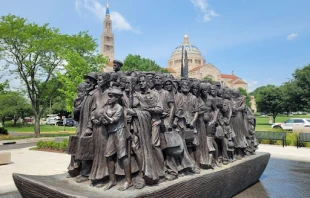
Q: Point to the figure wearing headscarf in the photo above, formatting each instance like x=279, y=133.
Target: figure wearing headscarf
x=99, y=168
x=237, y=123
x=186, y=115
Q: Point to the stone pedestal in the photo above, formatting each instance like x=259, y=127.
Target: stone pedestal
x=226, y=181
x=5, y=158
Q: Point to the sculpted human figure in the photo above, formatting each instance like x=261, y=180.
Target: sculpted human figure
x=225, y=142
x=187, y=110
x=200, y=125
x=138, y=123
x=230, y=135
x=250, y=123
x=113, y=118
x=99, y=168
x=169, y=86
x=166, y=134
x=150, y=101
x=210, y=118
x=117, y=65
x=78, y=101
x=85, y=128
x=150, y=79
x=237, y=123
x=122, y=82
x=74, y=166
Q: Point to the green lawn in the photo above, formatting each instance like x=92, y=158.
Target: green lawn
x=43, y=128
x=262, y=123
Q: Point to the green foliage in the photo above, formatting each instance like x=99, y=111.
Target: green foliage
x=3, y=131
x=269, y=100
x=45, y=60
x=81, y=60
x=4, y=87
x=136, y=62
x=76, y=68
x=247, y=96
x=208, y=79
x=13, y=105
x=301, y=83
x=53, y=145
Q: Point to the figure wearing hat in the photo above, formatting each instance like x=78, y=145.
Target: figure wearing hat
x=84, y=128
x=113, y=118
x=117, y=65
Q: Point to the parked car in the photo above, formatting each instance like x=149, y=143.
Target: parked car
x=292, y=122
x=69, y=122
x=52, y=120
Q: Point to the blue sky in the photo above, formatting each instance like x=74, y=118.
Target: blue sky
x=262, y=41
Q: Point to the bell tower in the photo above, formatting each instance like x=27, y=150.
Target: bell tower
x=107, y=37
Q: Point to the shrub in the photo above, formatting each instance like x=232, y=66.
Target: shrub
x=3, y=131
x=53, y=145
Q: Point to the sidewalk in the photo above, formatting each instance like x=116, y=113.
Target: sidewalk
x=31, y=162
x=288, y=152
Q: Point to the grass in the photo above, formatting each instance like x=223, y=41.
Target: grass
x=20, y=128
x=262, y=123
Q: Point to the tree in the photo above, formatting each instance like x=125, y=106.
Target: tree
x=208, y=79
x=301, y=83
x=38, y=55
x=247, y=96
x=14, y=105
x=136, y=62
x=78, y=65
x=291, y=97
x=269, y=99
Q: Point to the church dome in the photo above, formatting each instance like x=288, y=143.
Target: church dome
x=191, y=49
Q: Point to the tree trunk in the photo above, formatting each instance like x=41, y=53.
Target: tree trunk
x=15, y=120
x=37, y=125
x=274, y=117
x=3, y=120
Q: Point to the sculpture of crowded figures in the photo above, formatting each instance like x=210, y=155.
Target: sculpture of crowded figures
x=147, y=126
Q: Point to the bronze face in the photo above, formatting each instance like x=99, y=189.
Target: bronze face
x=142, y=82
x=168, y=86
x=90, y=84
x=158, y=80
x=112, y=98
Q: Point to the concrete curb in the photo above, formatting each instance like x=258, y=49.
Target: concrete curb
x=33, y=140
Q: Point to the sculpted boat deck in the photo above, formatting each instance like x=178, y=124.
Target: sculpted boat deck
x=226, y=181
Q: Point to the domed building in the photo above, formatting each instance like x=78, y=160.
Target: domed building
x=198, y=68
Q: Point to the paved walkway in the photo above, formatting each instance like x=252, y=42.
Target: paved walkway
x=288, y=152
x=30, y=162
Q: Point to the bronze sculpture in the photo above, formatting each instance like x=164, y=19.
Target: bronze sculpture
x=156, y=125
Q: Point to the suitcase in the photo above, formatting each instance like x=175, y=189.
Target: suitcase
x=175, y=146
x=85, y=150
x=73, y=144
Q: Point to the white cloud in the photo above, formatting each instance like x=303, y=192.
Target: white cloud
x=252, y=84
x=203, y=5
x=94, y=7
x=291, y=36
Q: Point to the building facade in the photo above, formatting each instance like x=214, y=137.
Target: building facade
x=198, y=68
x=107, y=41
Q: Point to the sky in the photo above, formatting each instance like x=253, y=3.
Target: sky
x=262, y=41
